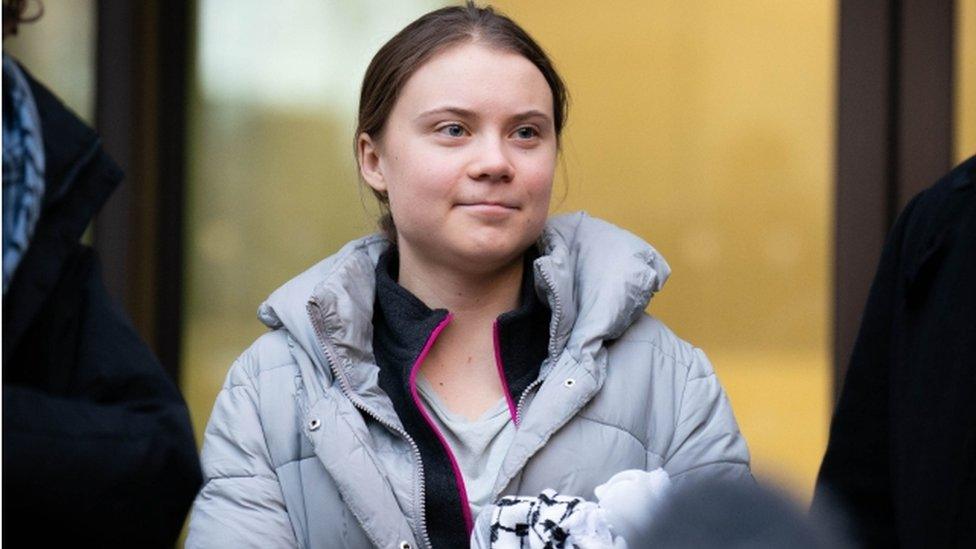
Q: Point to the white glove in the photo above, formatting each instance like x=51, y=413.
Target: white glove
x=631, y=499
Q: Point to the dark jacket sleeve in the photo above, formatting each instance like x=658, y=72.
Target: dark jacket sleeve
x=111, y=459
x=855, y=473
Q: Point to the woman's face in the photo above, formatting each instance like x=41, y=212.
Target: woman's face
x=467, y=157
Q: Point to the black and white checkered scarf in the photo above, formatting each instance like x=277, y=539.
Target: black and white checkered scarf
x=549, y=521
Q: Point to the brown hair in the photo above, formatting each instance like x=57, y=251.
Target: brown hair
x=432, y=33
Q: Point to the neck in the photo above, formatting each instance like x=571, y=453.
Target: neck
x=480, y=296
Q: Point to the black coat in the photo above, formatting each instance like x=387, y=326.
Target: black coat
x=97, y=444
x=902, y=452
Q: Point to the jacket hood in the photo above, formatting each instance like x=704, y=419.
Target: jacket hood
x=596, y=278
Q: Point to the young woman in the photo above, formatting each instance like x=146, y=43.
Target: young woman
x=475, y=349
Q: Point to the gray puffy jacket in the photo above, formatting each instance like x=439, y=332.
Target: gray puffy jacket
x=290, y=461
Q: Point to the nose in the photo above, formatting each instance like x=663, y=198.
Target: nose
x=491, y=162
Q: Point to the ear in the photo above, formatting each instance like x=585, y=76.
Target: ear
x=369, y=163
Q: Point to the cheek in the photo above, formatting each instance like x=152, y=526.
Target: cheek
x=418, y=177
x=538, y=183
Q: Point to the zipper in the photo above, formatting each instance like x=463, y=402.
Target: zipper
x=557, y=309
x=359, y=404
x=557, y=313
x=525, y=393
x=547, y=364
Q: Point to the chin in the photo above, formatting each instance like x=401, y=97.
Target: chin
x=490, y=254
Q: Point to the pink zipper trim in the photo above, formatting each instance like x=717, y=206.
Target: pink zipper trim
x=512, y=410
x=462, y=491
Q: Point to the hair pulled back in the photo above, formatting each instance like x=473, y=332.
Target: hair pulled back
x=427, y=36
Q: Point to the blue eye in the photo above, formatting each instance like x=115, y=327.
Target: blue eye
x=452, y=130
x=526, y=132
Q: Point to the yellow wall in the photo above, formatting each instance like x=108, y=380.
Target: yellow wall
x=707, y=128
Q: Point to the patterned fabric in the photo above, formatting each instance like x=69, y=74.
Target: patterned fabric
x=23, y=167
x=627, y=506
x=550, y=521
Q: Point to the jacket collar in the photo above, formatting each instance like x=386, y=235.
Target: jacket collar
x=79, y=177
x=70, y=145
x=407, y=323
x=595, y=278
x=404, y=320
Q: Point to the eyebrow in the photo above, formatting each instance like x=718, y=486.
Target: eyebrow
x=465, y=113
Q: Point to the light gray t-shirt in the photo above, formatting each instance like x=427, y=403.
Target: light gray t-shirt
x=479, y=446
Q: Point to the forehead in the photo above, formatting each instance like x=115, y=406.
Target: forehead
x=476, y=77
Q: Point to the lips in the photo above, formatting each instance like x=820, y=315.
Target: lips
x=490, y=204
x=491, y=212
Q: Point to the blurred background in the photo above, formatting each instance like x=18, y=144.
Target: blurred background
x=763, y=146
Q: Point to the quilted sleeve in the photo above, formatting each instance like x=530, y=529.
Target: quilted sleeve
x=241, y=503
x=707, y=444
